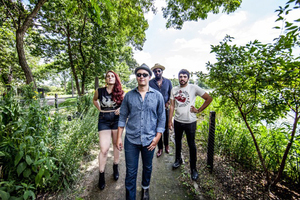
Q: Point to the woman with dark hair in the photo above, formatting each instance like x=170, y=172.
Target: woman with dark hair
x=110, y=98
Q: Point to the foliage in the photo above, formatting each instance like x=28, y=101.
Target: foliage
x=89, y=43
x=232, y=140
x=131, y=84
x=260, y=80
x=179, y=11
x=38, y=150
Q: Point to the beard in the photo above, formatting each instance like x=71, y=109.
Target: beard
x=182, y=82
x=158, y=77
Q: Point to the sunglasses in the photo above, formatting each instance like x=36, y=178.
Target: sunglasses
x=157, y=70
x=144, y=75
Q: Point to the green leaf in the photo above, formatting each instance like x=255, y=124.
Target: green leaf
x=27, y=172
x=39, y=161
x=47, y=174
x=30, y=139
x=15, y=198
x=21, y=167
x=4, y=195
x=2, y=153
x=18, y=157
x=29, y=193
x=31, y=128
x=28, y=160
x=39, y=176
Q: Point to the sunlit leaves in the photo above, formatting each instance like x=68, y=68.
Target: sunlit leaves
x=179, y=11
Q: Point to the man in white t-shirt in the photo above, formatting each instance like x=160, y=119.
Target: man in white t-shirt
x=182, y=101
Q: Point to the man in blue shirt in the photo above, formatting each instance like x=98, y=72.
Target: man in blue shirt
x=143, y=113
x=164, y=86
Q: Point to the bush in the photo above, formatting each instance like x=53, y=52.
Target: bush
x=40, y=151
x=233, y=140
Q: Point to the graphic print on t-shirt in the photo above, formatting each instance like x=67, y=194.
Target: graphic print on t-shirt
x=107, y=102
x=182, y=98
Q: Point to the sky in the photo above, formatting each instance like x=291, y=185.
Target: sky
x=189, y=48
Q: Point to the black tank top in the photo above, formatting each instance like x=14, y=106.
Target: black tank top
x=105, y=100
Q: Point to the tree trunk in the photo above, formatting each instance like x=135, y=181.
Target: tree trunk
x=22, y=58
x=83, y=81
x=96, y=82
x=256, y=146
x=288, y=147
x=21, y=30
x=71, y=61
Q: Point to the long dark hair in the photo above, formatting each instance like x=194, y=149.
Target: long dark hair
x=117, y=92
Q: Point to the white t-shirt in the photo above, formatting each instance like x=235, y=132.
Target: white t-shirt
x=185, y=98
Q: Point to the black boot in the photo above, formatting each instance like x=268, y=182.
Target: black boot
x=177, y=163
x=116, y=172
x=145, y=194
x=194, y=174
x=101, y=184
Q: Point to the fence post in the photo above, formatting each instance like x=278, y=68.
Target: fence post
x=211, y=141
x=56, y=101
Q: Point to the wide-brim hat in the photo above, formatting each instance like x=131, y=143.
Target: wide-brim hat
x=145, y=67
x=158, y=66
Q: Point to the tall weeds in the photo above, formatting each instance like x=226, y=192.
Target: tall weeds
x=232, y=140
x=40, y=151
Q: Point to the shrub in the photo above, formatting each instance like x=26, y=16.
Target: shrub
x=40, y=151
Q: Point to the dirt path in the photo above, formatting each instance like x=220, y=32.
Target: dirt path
x=165, y=183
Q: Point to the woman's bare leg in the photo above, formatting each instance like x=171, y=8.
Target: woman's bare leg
x=116, y=151
x=104, y=142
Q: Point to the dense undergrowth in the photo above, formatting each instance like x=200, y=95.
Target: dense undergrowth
x=233, y=140
x=40, y=149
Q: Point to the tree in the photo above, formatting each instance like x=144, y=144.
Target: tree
x=179, y=11
x=84, y=44
x=22, y=18
x=8, y=52
x=262, y=81
x=288, y=72
x=238, y=78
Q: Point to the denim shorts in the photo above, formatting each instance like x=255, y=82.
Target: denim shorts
x=108, y=121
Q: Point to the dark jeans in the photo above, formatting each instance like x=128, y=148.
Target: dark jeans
x=132, y=154
x=190, y=130
x=108, y=121
x=166, y=133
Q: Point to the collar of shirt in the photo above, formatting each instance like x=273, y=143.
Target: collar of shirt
x=165, y=88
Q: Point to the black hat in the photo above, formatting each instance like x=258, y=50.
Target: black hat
x=145, y=67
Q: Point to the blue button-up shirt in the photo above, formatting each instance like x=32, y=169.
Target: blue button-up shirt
x=143, y=118
x=165, y=88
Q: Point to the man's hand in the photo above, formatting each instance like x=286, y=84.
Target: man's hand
x=194, y=110
x=170, y=125
x=119, y=144
x=167, y=105
x=154, y=142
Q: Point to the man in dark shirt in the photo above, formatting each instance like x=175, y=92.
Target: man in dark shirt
x=164, y=86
